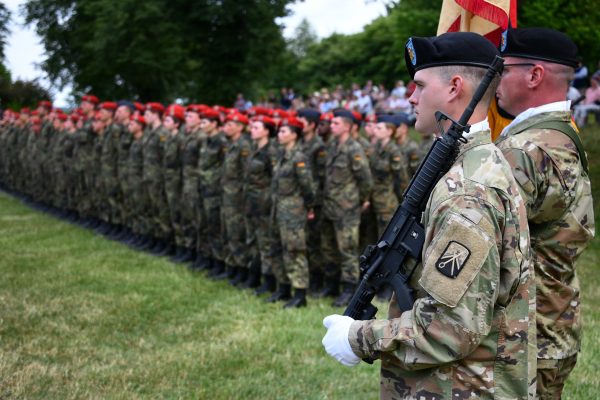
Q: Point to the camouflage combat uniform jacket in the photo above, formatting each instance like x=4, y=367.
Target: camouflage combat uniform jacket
x=466, y=336
x=557, y=193
x=410, y=149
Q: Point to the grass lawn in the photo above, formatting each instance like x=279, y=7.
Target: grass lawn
x=84, y=317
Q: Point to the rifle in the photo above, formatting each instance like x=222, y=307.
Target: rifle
x=403, y=238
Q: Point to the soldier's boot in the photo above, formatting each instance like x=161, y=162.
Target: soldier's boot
x=168, y=250
x=217, y=268
x=148, y=244
x=331, y=288
x=132, y=239
x=178, y=254
x=102, y=228
x=159, y=248
x=268, y=286
x=188, y=256
x=227, y=273
x=233, y=277
x=117, y=232
x=344, y=298
x=200, y=262
x=253, y=279
x=299, y=299
x=316, y=283
x=241, y=276
x=207, y=265
x=284, y=292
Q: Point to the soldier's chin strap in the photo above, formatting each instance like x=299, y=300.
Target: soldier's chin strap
x=440, y=116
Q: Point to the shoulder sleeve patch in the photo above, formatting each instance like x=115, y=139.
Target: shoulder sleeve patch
x=454, y=259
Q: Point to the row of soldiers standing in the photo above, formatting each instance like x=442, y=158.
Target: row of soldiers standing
x=271, y=200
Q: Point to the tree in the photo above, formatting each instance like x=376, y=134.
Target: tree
x=157, y=49
x=4, y=31
x=304, y=37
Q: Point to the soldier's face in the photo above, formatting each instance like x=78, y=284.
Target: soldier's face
x=122, y=114
x=87, y=106
x=512, y=88
x=382, y=131
x=339, y=126
x=258, y=131
x=192, y=120
x=285, y=135
x=169, y=123
x=429, y=96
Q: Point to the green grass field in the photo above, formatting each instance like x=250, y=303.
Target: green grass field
x=84, y=317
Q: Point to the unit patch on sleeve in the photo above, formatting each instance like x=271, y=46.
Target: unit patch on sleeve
x=453, y=259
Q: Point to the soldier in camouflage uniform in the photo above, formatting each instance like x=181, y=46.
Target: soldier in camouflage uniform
x=154, y=139
x=346, y=194
x=470, y=330
x=324, y=128
x=210, y=165
x=550, y=166
x=409, y=147
x=109, y=165
x=314, y=149
x=238, y=150
x=120, y=128
x=257, y=199
x=172, y=121
x=389, y=171
x=140, y=223
x=293, y=199
x=189, y=151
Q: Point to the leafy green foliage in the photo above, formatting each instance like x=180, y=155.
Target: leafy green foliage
x=158, y=49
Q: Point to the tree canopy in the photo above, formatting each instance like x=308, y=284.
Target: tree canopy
x=209, y=50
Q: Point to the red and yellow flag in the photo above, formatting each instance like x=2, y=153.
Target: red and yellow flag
x=488, y=18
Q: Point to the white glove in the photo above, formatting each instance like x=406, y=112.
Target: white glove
x=336, y=341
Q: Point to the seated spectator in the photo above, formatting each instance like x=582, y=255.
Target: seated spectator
x=400, y=90
x=591, y=103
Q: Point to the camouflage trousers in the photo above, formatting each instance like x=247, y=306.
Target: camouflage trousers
x=112, y=194
x=552, y=375
x=259, y=241
x=339, y=242
x=290, y=264
x=173, y=193
x=213, y=227
x=316, y=261
x=382, y=220
x=234, y=233
x=202, y=244
x=161, y=215
x=140, y=201
x=125, y=204
x=189, y=199
x=369, y=227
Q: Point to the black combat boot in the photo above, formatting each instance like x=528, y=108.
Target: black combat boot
x=240, y=277
x=268, y=286
x=299, y=299
x=207, y=265
x=187, y=256
x=316, y=283
x=344, y=298
x=178, y=254
x=217, y=268
x=331, y=288
x=228, y=273
x=200, y=262
x=253, y=279
x=168, y=250
x=283, y=293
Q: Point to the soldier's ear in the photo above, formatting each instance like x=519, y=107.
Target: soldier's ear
x=455, y=88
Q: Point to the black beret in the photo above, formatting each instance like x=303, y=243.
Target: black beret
x=126, y=103
x=539, y=44
x=310, y=114
x=389, y=119
x=342, y=112
x=452, y=48
x=402, y=119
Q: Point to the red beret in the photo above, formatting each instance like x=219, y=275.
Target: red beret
x=155, y=107
x=326, y=117
x=209, y=113
x=237, y=117
x=62, y=117
x=357, y=117
x=90, y=98
x=74, y=117
x=221, y=109
x=279, y=113
x=34, y=112
x=292, y=113
x=35, y=120
x=139, y=106
x=45, y=104
x=291, y=121
x=197, y=108
x=263, y=111
x=265, y=120
x=109, y=105
x=25, y=110
x=97, y=116
x=371, y=118
x=176, y=111
x=139, y=119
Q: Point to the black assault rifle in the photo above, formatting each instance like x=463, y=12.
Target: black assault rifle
x=384, y=263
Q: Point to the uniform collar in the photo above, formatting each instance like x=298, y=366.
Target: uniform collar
x=559, y=106
x=478, y=135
